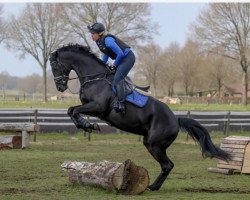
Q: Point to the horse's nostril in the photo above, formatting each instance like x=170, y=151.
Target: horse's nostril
x=59, y=88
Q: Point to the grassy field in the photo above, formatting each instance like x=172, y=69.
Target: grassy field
x=38, y=104
x=67, y=104
x=35, y=173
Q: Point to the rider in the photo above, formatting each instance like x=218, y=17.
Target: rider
x=112, y=47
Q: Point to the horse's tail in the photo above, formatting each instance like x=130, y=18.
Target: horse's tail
x=201, y=135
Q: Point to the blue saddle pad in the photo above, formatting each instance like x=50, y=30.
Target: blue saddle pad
x=137, y=98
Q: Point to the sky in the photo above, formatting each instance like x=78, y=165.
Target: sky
x=174, y=21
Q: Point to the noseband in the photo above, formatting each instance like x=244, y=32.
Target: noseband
x=63, y=78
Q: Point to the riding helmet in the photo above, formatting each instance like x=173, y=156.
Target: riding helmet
x=96, y=28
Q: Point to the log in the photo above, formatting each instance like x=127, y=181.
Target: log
x=225, y=166
x=19, y=127
x=125, y=178
x=221, y=170
x=10, y=142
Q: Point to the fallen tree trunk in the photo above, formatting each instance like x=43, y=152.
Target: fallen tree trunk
x=220, y=170
x=126, y=178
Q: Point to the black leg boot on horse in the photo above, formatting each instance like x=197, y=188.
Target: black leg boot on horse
x=80, y=122
x=119, y=105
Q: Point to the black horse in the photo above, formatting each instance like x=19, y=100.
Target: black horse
x=155, y=121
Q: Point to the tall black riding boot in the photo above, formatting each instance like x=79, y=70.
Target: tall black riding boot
x=119, y=106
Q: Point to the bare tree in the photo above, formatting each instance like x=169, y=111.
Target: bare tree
x=4, y=80
x=170, y=62
x=3, y=26
x=130, y=21
x=227, y=25
x=190, y=66
x=30, y=84
x=37, y=32
x=219, y=70
x=148, y=64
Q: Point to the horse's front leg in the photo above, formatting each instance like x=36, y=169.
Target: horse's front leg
x=91, y=108
x=75, y=120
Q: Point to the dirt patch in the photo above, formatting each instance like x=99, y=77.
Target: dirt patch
x=216, y=190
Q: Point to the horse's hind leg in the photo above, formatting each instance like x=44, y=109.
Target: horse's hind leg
x=157, y=148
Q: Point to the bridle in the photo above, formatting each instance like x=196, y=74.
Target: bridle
x=63, y=78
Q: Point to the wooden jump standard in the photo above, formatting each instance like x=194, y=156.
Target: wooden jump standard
x=239, y=148
x=14, y=141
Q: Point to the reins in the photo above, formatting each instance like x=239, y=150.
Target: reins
x=66, y=78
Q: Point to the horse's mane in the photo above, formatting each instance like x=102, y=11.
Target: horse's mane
x=77, y=48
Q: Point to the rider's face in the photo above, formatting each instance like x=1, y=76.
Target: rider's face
x=95, y=36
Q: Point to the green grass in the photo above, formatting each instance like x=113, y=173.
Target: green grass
x=38, y=104
x=35, y=173
x=67, y=104
x=210, y=107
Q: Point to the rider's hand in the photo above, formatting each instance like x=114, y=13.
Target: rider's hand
x=111, y=67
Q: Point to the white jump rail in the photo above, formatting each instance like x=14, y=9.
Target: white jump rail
x=47, y=118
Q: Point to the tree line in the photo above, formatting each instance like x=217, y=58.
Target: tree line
x=216, y=51
x=31, y=84
x=185, y=70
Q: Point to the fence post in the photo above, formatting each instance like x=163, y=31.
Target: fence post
x=188, y=116
x=35, y=122
x=25, y=139
x=227, y=124
x=89, y=134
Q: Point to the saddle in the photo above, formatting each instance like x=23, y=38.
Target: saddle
x=131, y=93
x=130, y=86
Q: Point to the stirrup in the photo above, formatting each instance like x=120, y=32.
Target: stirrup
x=120, y=107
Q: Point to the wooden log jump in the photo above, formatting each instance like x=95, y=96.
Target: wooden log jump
x=239, y=148
x=24, y=128
x=125, y=178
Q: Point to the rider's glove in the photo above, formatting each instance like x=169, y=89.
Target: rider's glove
x=111, y=67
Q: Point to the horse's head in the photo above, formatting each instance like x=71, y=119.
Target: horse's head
x=60, y=71
x=78, y=58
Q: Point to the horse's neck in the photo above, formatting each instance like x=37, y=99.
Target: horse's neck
x=89, y=69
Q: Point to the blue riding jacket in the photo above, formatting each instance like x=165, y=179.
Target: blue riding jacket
x=113, y=48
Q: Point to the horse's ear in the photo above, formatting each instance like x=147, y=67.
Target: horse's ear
x=53, y=56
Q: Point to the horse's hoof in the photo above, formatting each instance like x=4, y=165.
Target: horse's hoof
x=152, y=188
